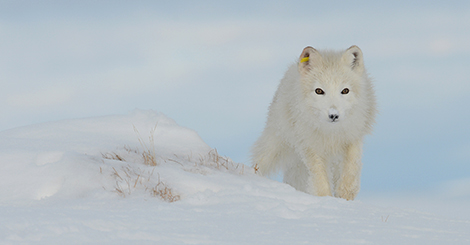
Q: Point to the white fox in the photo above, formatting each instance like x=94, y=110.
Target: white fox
x=322, y=109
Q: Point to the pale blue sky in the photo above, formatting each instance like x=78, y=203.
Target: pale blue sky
x=214, y=66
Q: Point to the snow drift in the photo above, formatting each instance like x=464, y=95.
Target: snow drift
x=73, y=158
x=142, y=178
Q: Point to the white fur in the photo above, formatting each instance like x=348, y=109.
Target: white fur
x=317, y=154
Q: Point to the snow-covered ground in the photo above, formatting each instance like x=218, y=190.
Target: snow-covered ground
x=88, y=181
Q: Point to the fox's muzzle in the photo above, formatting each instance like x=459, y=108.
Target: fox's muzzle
x=333, y=114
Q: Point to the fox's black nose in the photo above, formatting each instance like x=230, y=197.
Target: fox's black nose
x=334, y=117
x=333, y=114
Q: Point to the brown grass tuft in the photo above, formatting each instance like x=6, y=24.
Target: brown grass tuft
x=130, y=179
x=164, y=192
x=112, y=156
x=213, y=160
x=148, y=154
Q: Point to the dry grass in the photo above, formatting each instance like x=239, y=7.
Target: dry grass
x=213, y=160
x=164, y=192
x=131, y=178
x=112, y=156
x=126, y=180
x=149, y=156
x=122, y=156
x=385, y=219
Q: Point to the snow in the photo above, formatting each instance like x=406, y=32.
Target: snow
x=86, y=181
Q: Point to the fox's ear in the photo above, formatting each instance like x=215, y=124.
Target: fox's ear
x=308, y=59
x=353, y=57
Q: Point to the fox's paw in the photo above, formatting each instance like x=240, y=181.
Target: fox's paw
x=347, y=193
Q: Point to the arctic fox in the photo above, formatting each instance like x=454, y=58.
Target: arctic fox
x=322, y=109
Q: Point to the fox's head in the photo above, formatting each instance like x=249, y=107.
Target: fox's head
x=332, y=82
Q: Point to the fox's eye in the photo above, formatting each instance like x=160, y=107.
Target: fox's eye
x=345, y=91
x=319, y=91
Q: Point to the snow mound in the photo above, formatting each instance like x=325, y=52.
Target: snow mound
x=141, y=178
x=80, y=158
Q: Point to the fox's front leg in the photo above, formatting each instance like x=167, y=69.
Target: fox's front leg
x=349, y=181
x=318, y=183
